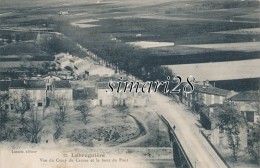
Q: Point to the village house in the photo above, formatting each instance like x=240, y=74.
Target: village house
x=107, y=97
x=16, y=90
x=217, y=136
x=206, y=100
x=62, y=89
x=204, y=94
x=248, y=103
x=245, y=102
x=33, y=89
x=36, y=91
x=39, y=92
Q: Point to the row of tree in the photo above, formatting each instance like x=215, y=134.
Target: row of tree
x=120, y=56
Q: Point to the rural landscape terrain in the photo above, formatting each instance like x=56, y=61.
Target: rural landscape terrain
x=57, y=58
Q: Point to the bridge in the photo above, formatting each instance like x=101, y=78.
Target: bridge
x=195, y=151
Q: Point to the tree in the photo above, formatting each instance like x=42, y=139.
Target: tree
x=3, y=114
x=254, y=145
x=21, y=105
x=58, y=125
x=62, y=106
x=60, y=115
x=230, y=120
x=33, y=126
x=84, y=111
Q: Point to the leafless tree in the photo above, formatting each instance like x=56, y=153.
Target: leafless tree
x=254, y=145
x=62, y=107
x=60, y=116
x=33, y=126
x=3, y=113
x=84, y=110
x=21, y=105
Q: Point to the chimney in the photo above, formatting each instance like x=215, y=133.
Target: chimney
x=25, y=82
x=204, y=84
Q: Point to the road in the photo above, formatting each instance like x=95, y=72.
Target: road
x=196, y=147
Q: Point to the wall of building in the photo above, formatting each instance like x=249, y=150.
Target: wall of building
x=220, y=138
x=209, y=99
x=65, y=94
x=246, y=106
x=37, y=96
x=105, y=98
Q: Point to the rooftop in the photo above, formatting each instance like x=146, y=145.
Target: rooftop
x=29, y=84
x=253, y=96
x=17, y=84
x=102, y=85
x=35, y=84
x=211, y=90
x=62, y=84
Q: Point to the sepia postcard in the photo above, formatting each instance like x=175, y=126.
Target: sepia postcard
x=129, y=84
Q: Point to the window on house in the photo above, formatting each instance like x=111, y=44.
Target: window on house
x=220, y=100
x=250, y=116
x=12, y=106
x=39, y=104
x=243, y=113
x=49, y=87
x=210, y=111
x=6, y=106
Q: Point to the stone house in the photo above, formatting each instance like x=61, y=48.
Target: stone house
x=62, y=89
x=39, y=92
x=204, y=95
x=248, y=103
x=107, y=97
x=208, y=119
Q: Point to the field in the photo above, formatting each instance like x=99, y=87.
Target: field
x=219, y=70
x=208, y=39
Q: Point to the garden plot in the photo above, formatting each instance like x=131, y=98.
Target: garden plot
x=106, y=127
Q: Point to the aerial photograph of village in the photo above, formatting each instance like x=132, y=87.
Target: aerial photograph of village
x=129, y=84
